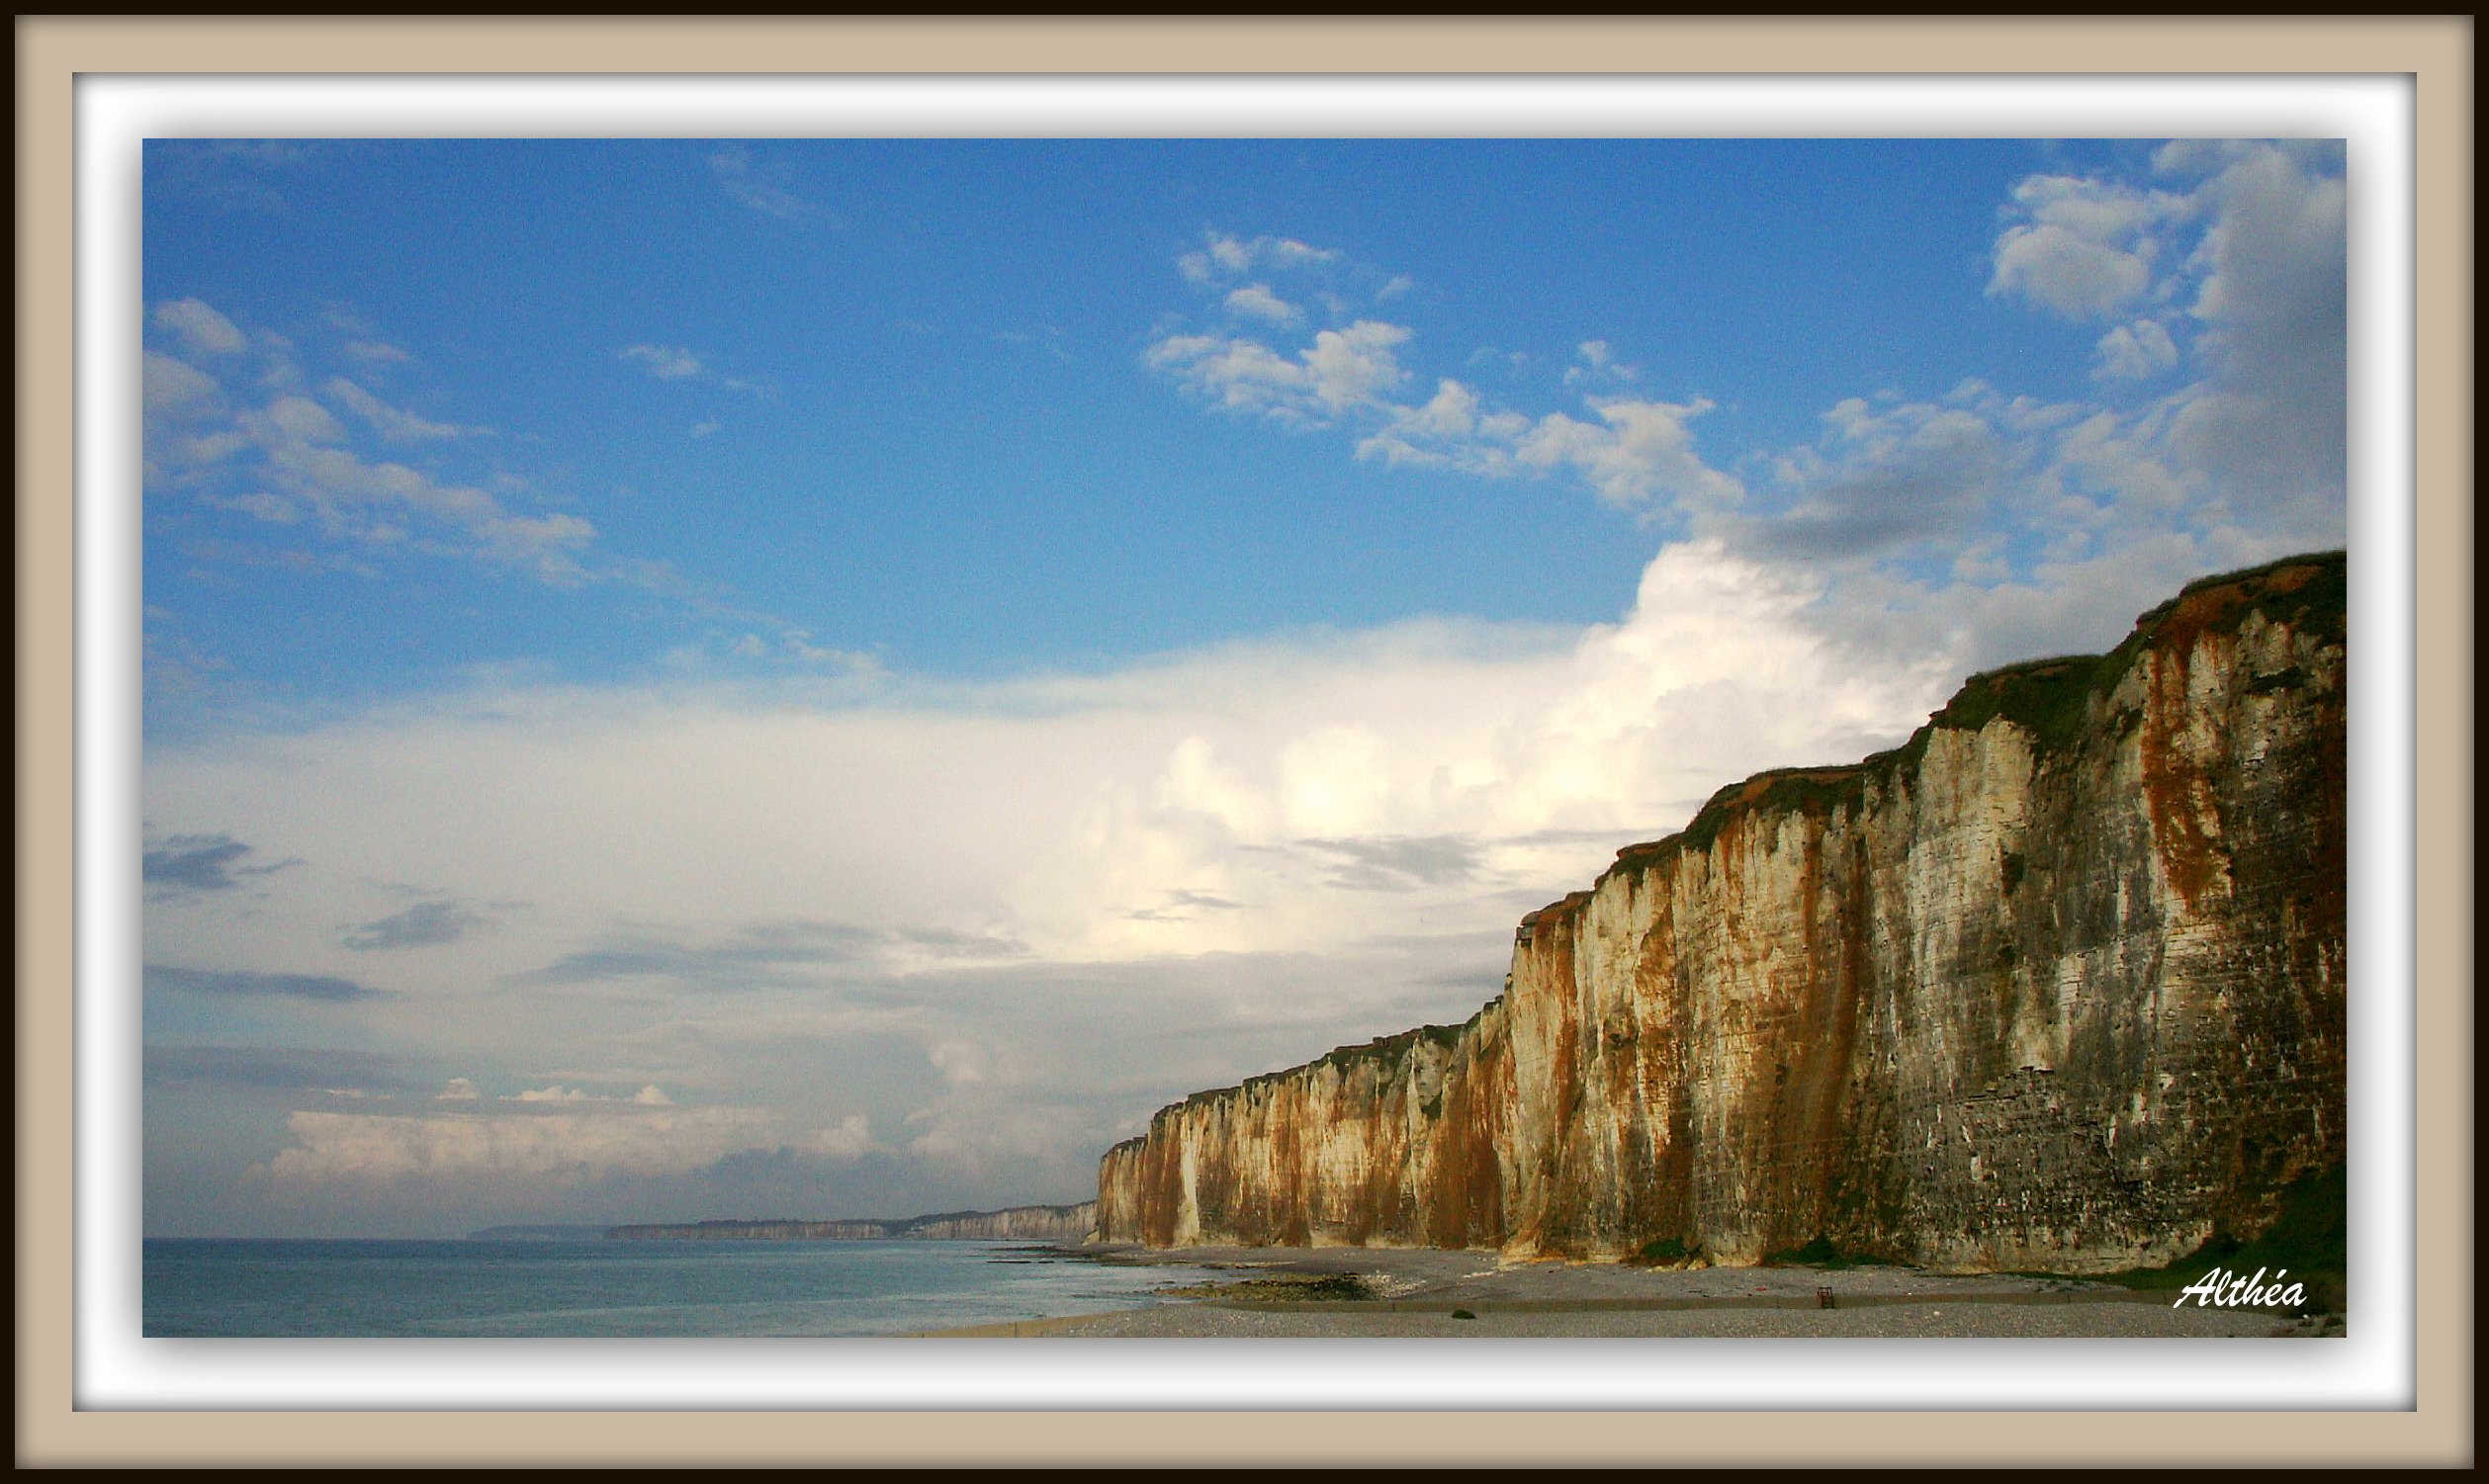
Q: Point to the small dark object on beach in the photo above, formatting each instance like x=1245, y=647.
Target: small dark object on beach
x=1824, y=1298
x=1463, y=1314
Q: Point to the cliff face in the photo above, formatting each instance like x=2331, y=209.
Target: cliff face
x=1073, y=1223
x=2057, y=985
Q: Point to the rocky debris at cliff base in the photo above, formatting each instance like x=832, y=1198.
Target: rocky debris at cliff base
x=1408, y=1276
x=1290, y=1289
x=1916, y=1321
x=1275, y=1292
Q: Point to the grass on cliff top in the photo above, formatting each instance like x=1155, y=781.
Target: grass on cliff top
x=2050, y=698
x=1379, y=1049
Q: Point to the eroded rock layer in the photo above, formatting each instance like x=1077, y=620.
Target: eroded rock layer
x=2057, y=985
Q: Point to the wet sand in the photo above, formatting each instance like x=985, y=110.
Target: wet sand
x=1291, y=1293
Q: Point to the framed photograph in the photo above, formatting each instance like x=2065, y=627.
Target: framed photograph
x=1673, y=700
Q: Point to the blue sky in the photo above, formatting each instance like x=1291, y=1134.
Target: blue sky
x=840, y=673
x=922, y=366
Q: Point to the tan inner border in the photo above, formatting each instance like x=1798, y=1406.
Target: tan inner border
x=2437, y=51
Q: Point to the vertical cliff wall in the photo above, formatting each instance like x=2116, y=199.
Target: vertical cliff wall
x=2056, y=985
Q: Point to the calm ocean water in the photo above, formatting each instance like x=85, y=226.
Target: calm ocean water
x=600, y=1288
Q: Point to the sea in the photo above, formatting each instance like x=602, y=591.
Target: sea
x=593, y=1287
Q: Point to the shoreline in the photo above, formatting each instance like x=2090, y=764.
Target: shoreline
x=1227, y=1292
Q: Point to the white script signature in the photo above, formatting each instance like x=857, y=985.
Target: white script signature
x=2221, y=1289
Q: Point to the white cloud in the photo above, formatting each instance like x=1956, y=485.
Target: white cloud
x=960, y=1062
x=1599, y=365
x=2086, y=246
x=296, y=463
x=1226, y=256
x=260, y=505
x=2067, y=272
x=174, y=389
x=755, y=184
x=673, y=362
x=1638, y=451
x=390, y=422
x=301, y=418
x=1450, y=415
x=1889, y=474
x=2246, y=458
x=665, y=362
x=650, y=1095
x=1030, y=822
x=363, y=500
x=2134, y=352
x=556, y=1149
x=851, y=1139
x=376, y=352
x=2237, y=271
x=1353, y=367
x=1342, y=371
x=1258, y=301
x=460, y=1089
x=200, y=326
x=555, y=1094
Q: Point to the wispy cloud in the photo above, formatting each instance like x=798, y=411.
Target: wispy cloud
x=769, y=953
x=755, y=185
x=290, y=461
x=1256, y=301
x=273, y=1068
x=203, y=863
x=199, y=328
x=1223, y=256
x=669, y=363
x=1965, y=509
x=231, y=174
x=392, y=423
x=424, y=924
x=2134, y=352
x=1343, y=372
x=1394, y=863
x=2082, y=247
x=243, y=984
x=674, y=363
x=650, y=1095
x=559, y=1148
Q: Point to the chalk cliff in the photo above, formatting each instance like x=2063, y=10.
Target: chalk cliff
x=1073, y=1223
x=2056, y=985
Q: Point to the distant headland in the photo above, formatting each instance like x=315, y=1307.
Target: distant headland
x=1068, y=1223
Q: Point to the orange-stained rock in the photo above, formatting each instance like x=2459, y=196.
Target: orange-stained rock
x=2056, y=985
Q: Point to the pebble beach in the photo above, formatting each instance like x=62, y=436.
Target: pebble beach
x=1387, y=1293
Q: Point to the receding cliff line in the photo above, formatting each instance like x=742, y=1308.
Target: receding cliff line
x=1072, y=1223
x=2055, y=985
